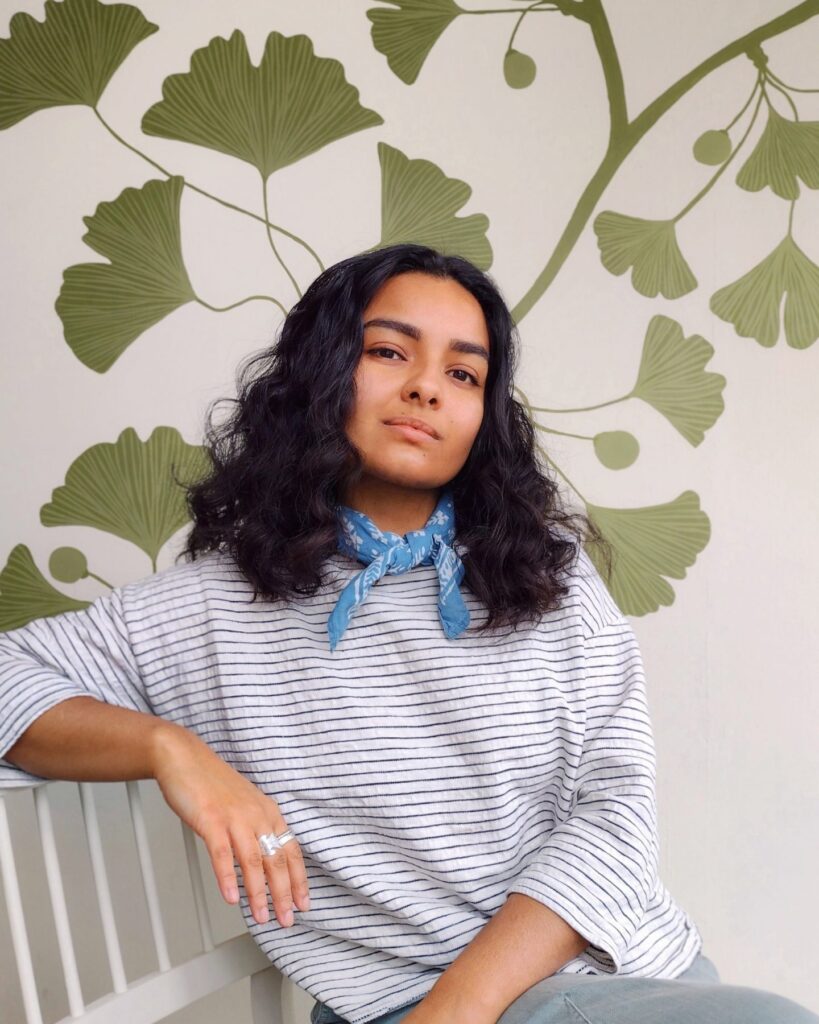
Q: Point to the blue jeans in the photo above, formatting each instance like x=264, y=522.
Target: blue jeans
x=697, y=996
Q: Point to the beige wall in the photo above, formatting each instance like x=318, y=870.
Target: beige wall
x=732, y=662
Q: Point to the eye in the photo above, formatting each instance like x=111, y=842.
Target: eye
x=470, y=376
x=473, y=378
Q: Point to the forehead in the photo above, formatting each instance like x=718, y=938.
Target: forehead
x=433, y=304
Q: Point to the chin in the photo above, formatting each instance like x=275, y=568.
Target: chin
x=418, y=480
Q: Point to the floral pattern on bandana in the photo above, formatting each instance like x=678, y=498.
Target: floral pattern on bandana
x=389, y=553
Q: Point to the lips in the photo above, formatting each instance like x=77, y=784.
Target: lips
x=414, y=426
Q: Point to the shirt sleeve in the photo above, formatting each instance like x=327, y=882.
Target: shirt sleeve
x=598, y=868
x=84, y=653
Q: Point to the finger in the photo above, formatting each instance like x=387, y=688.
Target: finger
x=220, y=852
x=249, y=855
x=298, y=874
x=278, y=878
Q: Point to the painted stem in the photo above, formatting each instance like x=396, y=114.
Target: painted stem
x=99, y=579
x=532, y=8
x=276, y=253
x=779, y=88
x=724, y=167
x=241, y=302
x=528, y=407
x=560, y=472
x=793, y=88
x=563, y=433
x=535, y=8
x=584, y=408
x=747, y=104
x=208, y=195
x=624, y=135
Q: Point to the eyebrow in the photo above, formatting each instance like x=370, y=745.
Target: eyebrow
x=456, y=344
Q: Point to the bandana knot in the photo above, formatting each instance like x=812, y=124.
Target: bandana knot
x=384, y=552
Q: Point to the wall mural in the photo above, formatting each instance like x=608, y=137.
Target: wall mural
x=297, y=102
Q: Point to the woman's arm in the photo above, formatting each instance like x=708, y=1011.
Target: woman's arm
x=584, y=891
x=75, y=706
x=522, y=943
x=597, y=869
x=85, y=740
x=82, y=654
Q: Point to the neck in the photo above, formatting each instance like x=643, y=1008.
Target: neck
x=390, y=506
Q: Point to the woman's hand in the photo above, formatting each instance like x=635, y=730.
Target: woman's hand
x=230, y=813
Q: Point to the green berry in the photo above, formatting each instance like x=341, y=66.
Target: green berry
x=713, y=147
x=68, y=565
x=616, y=449
x=519, y=69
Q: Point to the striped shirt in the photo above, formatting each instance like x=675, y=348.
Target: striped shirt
x=424, y=778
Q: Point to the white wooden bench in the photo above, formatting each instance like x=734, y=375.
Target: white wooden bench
x=158, y=993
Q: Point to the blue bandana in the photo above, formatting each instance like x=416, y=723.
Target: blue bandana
x=385, y=552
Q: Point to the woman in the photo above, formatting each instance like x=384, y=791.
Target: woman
x=441, y=761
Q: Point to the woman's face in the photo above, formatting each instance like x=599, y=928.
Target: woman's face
x=425, y=356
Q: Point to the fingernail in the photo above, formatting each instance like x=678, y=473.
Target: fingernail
x=232, y=895
x=262, y=915
x=306, y=902
x=288, y=918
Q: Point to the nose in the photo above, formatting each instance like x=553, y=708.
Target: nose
x=422, y=385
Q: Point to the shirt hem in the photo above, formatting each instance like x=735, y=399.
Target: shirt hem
x=391, y=1009
x=698, y=947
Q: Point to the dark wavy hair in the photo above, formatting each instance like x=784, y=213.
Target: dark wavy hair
x=281, y=460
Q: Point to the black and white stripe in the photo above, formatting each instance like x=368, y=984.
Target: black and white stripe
x=424, y=778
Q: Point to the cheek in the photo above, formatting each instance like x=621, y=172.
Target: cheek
x=367, y=386
x=361, y=397
x=470, y=424
x=371, y=403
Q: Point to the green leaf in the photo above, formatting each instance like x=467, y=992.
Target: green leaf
x=407, y=34
x=127, y=488
x=650, y=247
x=291, y=105
x=786, y=150
x=519, y=69
x=672, y=378
x=25, y=594
x=616, y=449
x=752, y=303
x=68, y=565
x=649, y=544
x=105, y=306
x=419, y=203
x=68, y=58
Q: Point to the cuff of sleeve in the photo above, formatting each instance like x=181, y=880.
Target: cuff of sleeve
x=604, y=952
x=12, y=777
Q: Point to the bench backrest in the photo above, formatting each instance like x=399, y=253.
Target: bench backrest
x=153, y=996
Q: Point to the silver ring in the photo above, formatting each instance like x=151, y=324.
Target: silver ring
x=270, y=842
